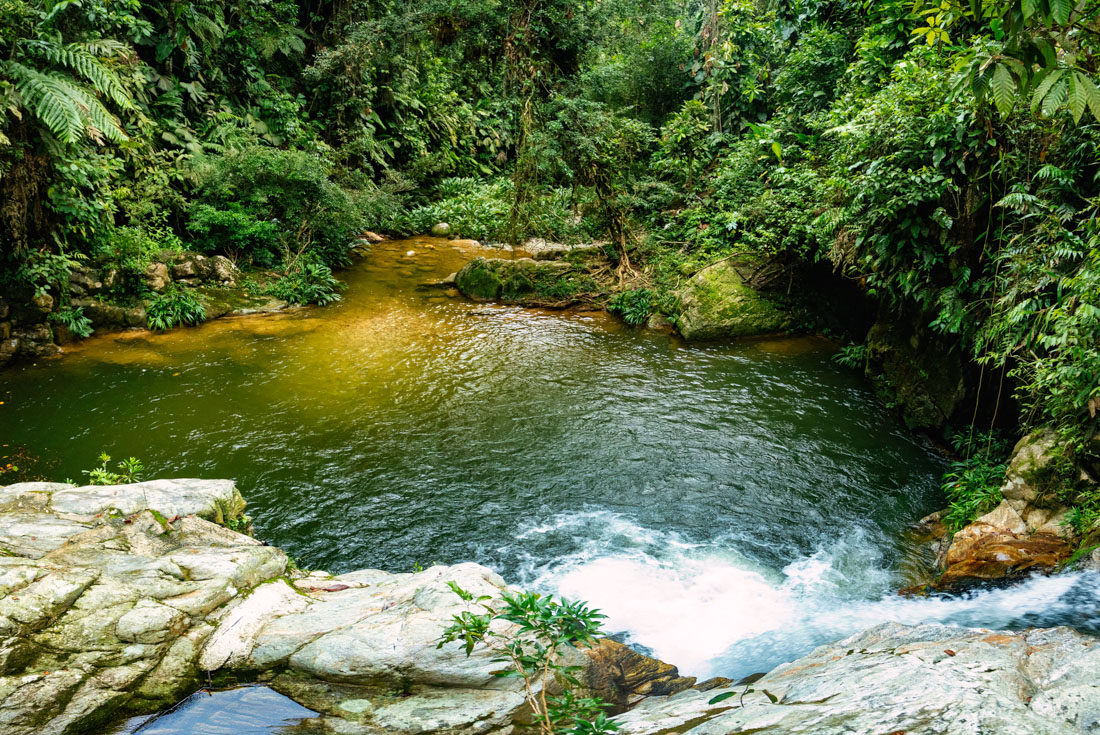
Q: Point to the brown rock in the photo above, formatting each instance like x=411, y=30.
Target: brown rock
x=1005, y=558
x=156, y=277
x=622, y=675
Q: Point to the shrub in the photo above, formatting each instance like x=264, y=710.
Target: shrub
x=308, y=282
x=129, y=470
x=73, y=319
x=634, y=306
x=973, y=484
x=545, y=629
x=173, y=308
x=259, y=204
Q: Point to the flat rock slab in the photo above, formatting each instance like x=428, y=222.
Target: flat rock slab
x=917, y=680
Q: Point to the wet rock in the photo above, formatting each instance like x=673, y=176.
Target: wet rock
x=717, y=304
x=189, y=267
x=623, y=676
x=1021, y=535
x=917, y=680
x=441, y=229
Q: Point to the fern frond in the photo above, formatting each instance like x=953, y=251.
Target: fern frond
x=81, y=59
x=62, y=106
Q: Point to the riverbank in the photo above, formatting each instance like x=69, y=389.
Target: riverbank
x=123, y=599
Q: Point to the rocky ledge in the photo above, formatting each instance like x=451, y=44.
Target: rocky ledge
x=122, y=599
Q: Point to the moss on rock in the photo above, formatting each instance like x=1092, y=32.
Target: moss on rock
x=716, y=303
x=523, y=281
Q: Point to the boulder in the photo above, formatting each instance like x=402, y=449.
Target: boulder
x=716, y=304
x=441, y=229
x=84, y=281
x=624, y=676
x=520, y=280
x=916, y=680
x=36, y=340
x=105, y=317
x=1023, y=534
x=157, y=278
x=221, y=270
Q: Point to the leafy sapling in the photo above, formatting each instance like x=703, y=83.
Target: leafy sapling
x=542, y=630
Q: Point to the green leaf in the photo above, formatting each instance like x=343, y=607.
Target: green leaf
x=771, y=696
x=1044, y=87
x=1060, y=10
x=1056, y=97
x=1028, y=6
x=1078, y=97
x=1092, y=94
x=1003, y=88
x=722, y=697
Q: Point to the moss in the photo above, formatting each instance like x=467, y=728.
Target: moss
x=526, y=281
x=716, y=303
x=479, y=280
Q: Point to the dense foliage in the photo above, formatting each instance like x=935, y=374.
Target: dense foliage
x=942, y=155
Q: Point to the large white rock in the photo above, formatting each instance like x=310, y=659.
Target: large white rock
x=917, y=680
x=205, y=498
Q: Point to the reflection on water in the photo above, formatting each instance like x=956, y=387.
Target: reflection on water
x=728, y=505
x=241, y=711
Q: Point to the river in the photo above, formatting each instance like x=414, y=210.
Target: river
x=728, y=506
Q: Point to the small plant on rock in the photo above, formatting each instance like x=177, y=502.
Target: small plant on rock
x=545, y=629
x=129, y=470
x=73, y=319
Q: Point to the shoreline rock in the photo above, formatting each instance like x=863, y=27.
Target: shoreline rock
x=1025, y=533
x=116, y=600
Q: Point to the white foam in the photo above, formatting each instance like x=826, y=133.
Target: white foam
x=712, y=611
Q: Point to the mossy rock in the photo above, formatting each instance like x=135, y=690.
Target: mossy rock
x=521, y=280
x=916, y=371
x=716, y=304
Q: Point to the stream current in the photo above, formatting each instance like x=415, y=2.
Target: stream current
x=728, y=506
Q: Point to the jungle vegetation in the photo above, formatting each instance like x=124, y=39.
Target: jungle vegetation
x=941, y=154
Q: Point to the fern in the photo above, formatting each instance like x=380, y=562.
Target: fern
x=61, y=86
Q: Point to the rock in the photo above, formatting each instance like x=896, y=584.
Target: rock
x=100, y=613
x=917, y=680
x=84, y=281
x=217, y=500
x=9, y=348
x=188, y=267
x=1020, y=535
x=518, y=281
x=373, y=237
x=441, y=229
x=1030, y=456
x=919, y=371
x=5, y=310
x=36, y=341
x=540, y=249
x=623, y=676
x=156, y=277
x=717, y=304
x=221, y=270
x=106, y=317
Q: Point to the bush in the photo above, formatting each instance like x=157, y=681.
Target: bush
x=973, y=484
x=261, y=204
x=74, y=320
x=309, y=282
x=173, y=308
x=634, y=306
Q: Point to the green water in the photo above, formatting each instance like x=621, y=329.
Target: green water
x=705, y=496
